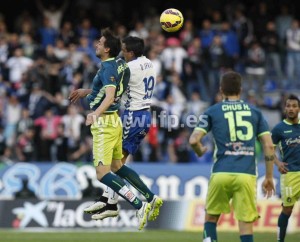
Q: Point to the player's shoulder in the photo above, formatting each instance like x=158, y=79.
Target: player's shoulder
x=214, y=108
x=142, y=60
x=280, y=125
x=254, y=109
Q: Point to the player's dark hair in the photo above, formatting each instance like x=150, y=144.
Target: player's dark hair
x=134, y=44
x=231, y=83
x=112, y=42
x=293, y=97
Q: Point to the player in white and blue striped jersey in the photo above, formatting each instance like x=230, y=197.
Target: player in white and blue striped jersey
x=136, y=120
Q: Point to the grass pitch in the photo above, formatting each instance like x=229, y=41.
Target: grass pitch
x=145, y=236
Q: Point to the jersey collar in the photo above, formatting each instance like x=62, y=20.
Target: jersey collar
x=288, y=123
x=109, y=59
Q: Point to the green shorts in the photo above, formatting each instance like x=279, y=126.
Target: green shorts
x=238, y=190
x=107, y=139
x=290, y=188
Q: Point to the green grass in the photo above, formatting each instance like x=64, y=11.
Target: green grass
x=146, y=236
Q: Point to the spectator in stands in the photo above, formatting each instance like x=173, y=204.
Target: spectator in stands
x=25, y=122
x=87, y=31
x=53, y=12
x=48, y=131
x=283, y=22
x=195, y=69
x=206, y=33
x=37, y=102
x=60, y=50
x=271, y=44
x=25, y=145
x=17, y=65
x=139, y=30
x=47, y=34
x=260, y=17
x=216, y=20
x=218, y=63
x=67, y=33
x=3, y=146
x=61, y=145
x=293, y=55
x=256, y=67
x=188, y=33
x=173, y=55
x=73, y=123
x=12, y=116
x=181, y=146
x=243, y=26
x=230, y=42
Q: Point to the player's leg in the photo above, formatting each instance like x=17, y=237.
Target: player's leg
x=109, y=196
x=136, y=127
x=118, y=185
x=290, y=193
x=110, y=155
x=283, y=221
x=125, y=156
x=217, y=202
x=99, y=140
x=244, y=204
x=210, y=228
x=108, y=199
x=246, y=231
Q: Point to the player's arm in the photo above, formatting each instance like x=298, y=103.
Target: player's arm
x=79, y=93
x=195, y=141
x=269, y=154
x=282, y=166
x=276, y=137
x=108, y=100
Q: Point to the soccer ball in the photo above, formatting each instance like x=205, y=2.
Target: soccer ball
x=171, y=20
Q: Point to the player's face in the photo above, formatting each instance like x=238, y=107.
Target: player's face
x=128, y=55
x=100, y=49
x=291, y=109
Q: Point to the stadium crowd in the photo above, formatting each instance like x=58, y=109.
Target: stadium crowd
x=47, y=52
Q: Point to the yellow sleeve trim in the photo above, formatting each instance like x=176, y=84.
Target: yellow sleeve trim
x=263, y=133
x=200, y=129
x=109, y=85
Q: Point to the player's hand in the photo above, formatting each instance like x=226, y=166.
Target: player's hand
x=282, y=167
x=77, y=94
x=91, y=118
x=268, y=187
x=202, y=150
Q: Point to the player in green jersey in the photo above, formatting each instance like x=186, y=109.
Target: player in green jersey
x=235, y=126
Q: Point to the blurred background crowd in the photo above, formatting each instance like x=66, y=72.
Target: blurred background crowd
x=47, y=49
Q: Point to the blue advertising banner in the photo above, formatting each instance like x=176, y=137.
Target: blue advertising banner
x=68, y=180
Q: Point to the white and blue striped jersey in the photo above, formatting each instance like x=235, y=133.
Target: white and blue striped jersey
x=141, y=85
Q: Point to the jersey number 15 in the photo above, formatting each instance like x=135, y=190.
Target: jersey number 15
x=236, y=122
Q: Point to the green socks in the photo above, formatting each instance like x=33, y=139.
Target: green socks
x=133, y=178
x=119, y=186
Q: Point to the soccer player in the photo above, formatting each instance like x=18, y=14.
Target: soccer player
x=286, y=135
x=109, y=84
x=235, y=125
x=137, y=120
